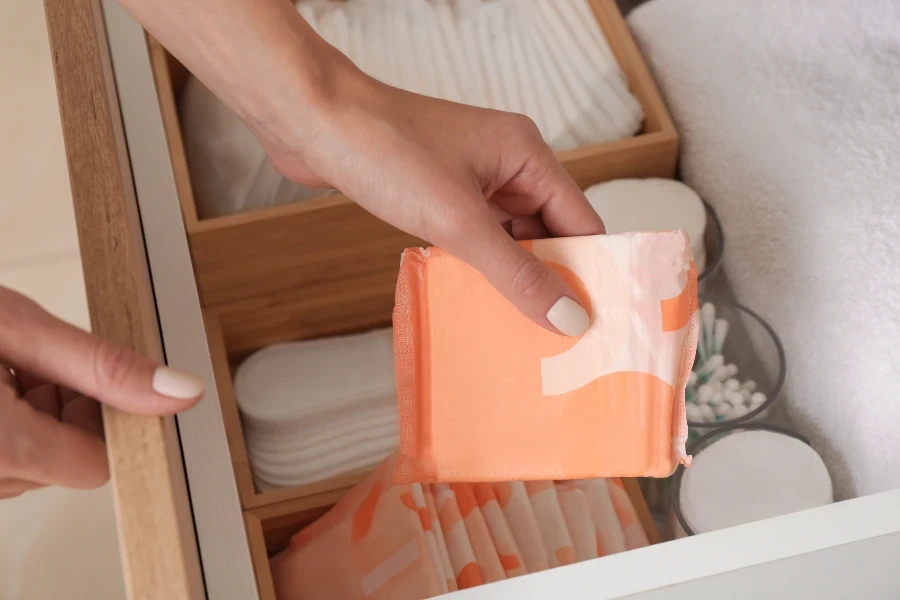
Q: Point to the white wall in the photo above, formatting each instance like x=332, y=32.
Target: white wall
x=53, y=543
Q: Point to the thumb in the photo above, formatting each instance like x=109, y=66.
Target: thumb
x=533, y=287
x=33, y=340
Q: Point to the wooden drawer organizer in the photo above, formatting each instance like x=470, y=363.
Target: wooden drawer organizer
x=326, y=267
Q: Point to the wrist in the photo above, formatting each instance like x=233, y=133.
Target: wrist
x=316, y=84
x=319, y=110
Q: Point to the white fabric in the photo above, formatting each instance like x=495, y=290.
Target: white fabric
x=320, y=408
x=544, y=58
x=750, y=476
x=790, y=124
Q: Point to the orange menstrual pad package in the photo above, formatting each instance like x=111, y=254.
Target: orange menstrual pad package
x=485, y=394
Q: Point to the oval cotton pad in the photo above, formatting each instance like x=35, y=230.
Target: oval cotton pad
x=651, y=205
x=486, y=394
x=308, y=377
x=749, y=476
x=307, y=405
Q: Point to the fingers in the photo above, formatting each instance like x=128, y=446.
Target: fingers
x=84, y=413
x=33, y=341
x=45, y=399
x=11, y=488
x=532, y=181
x=564, y=208
x=529, y=228
x=6, y=378
x=535, y=289
x=42, y=450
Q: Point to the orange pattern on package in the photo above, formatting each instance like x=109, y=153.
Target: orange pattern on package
x=486, y=395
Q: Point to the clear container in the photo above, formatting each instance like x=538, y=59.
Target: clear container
x=714, y=242
x=754, y=348
x=815, y=491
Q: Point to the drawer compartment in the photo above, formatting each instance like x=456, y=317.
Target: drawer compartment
x=270, y=528
x=326, y=266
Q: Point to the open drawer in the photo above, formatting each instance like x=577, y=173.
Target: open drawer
x=192, y=524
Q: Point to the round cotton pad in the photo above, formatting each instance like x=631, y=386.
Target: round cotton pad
x=749, y=476
x=650, y=205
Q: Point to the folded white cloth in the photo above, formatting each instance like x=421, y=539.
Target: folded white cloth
x=790, y=121
x=548, y=59
x=319, y=408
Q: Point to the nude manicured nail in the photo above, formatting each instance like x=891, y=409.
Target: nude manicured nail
x=568, y=317
x=176, y=384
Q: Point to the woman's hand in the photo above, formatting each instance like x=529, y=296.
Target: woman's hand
x=462, y=178
x=51, y=431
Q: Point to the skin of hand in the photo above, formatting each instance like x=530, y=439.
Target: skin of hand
x=466, y=179
x=51, y=431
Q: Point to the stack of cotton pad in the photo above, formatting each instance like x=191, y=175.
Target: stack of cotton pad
x=318, y=409
x=749, y=476
x=547, y=59
x=652, y=205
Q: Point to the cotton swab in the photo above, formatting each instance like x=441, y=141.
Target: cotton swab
x=713, y=363
x=708, y=319
x=714, y=392
x=721, y=330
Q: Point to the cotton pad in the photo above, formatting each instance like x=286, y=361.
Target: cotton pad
x=749, y=476
x=317, y=409
x=651, y=205
x=302, y=378
x=485, y=394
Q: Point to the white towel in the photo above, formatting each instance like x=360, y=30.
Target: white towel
x=790, y=124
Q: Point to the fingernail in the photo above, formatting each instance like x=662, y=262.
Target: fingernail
x=568, y=317
x=176, y=384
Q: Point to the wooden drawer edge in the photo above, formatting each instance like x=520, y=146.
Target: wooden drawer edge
x=145, y=457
